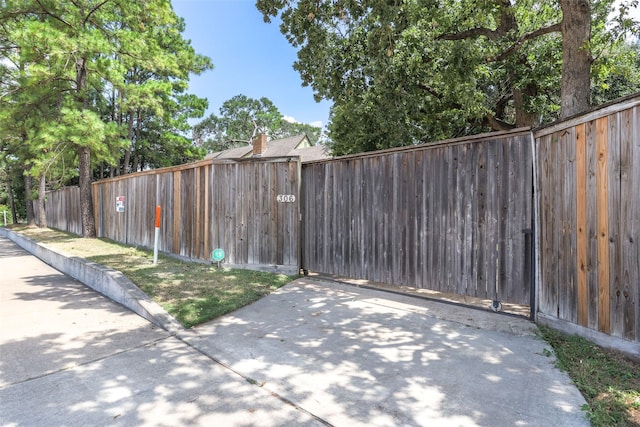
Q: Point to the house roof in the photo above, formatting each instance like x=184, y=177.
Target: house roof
x=232, y=153
x=315, y=152
x=298, y=145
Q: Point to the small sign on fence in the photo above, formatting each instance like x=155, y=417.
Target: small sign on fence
x=120, y=204
x=286, y=198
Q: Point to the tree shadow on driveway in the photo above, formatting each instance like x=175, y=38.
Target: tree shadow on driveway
x=353, y=356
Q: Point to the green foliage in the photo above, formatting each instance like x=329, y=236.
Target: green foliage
x=5, y=212
x=609, y=382
x=617, y=72
x=111, y=76
x=241, y=119
x=405, y=72
x=11, y=178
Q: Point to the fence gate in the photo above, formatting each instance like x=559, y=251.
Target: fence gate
x=454, y=217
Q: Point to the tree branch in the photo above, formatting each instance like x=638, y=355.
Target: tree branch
x=526, y=37
x=92, y=11
x=497, y=124
x=473, y=32
x=52, y=15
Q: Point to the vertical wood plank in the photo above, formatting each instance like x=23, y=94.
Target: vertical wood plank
x=581, y=224
x=453, y=214
x=616, y=316
x=602, y=179
x=198, y=228
x=502, y=211
x=634, y=254
x=569, y=215
x=491, y=222
x=469, y=218
x=480, y=265
x=418, y=242
x=592, y=223
x=177, y=215
x=206, y=217
x=629, y=223
x=545, y=231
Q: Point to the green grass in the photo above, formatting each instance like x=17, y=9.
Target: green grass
x=192, y=292
x=609, y=382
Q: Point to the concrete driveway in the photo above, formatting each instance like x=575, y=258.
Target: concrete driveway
x=313, y=353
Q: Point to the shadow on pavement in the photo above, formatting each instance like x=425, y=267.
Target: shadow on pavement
x=355, y=357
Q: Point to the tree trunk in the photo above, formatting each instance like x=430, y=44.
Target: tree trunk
x=524, y=118
x=576, y=57
x=84, y=160
x=41, y=215
x=31, y=217
x=86, y=201
x=12, y=203
x=127, y=153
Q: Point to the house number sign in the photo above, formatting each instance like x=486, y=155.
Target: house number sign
x=286, y=198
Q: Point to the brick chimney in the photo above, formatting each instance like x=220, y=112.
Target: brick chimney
x=259, y=145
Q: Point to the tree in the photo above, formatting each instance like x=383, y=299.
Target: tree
x=617, y=73
x=241, y=119
x=72, y=54
x=153, y=104
x=402, y=72
x=292, y=128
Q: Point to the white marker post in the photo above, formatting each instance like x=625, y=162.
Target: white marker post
x=155, y=242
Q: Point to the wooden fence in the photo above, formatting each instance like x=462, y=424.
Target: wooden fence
x=589, y=220
x=454, y=217
x=448, y=217
x=233, y=205
x=62, y=209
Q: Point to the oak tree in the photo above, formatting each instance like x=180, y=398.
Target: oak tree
x=409, y=71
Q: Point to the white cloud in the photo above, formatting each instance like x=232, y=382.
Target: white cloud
x=290, y=119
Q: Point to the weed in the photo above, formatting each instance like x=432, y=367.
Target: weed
x=609, y=382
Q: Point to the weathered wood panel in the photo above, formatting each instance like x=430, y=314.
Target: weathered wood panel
x=592, y=226
x=602, y=182
x=581, y=224
x=448, y=217
x=589, y=206
x=206, y=205
x=62, y=209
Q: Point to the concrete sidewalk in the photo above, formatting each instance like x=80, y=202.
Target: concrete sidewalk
x=71, y=357
x=312, y=353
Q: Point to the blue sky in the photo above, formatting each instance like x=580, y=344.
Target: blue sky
x=250, y=57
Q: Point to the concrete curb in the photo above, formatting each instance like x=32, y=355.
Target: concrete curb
x=110, y=283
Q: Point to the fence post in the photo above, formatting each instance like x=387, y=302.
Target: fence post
x=155, y=242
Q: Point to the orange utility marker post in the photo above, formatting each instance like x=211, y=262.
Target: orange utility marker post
x=155, y=242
